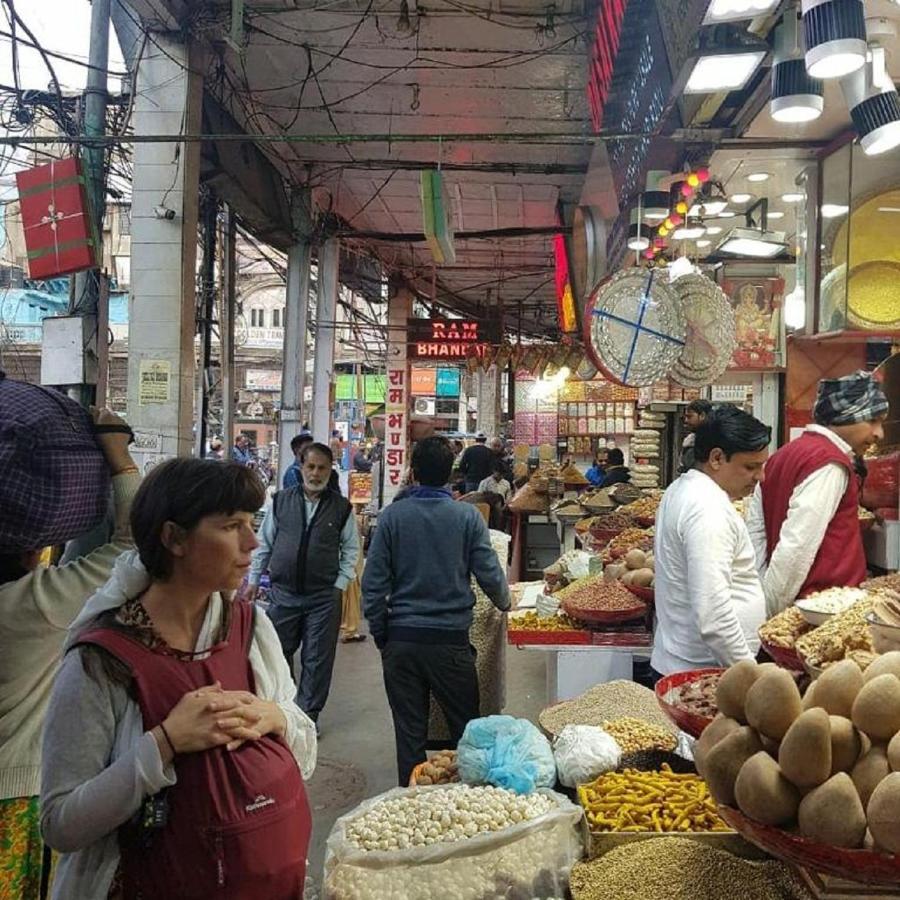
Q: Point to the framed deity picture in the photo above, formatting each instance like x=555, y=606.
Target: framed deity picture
x=757, y=303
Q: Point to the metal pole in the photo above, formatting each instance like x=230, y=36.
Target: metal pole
x=226, y=326
x=208, y=296
x=101, y=398
x=296, y=316
x=87, y=284
x=326, y=312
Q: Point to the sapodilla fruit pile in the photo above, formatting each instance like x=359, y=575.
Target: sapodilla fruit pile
x=827, y=764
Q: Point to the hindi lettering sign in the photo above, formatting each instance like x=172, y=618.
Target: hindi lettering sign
x=396, y=424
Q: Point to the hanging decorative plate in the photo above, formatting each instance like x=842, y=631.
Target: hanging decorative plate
x=635, y=330
x=709, y=331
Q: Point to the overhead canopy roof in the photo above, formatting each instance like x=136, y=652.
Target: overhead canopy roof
x=492, y=91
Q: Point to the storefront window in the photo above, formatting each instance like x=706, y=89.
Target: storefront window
x=873, y=267
x=834, y=208
x=860, y=254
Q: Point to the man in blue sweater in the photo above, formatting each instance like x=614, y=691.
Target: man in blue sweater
x=418, y=600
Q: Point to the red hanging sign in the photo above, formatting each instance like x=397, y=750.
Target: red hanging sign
x=59, y=234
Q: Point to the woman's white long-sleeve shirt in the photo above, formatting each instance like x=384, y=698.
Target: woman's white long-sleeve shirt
x=812, y=507
x=99, y=764
x=709, y=601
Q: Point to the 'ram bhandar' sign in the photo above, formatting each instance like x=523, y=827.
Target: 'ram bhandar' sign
x=449, y=338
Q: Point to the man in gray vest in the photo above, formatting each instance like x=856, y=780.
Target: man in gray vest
x=310, y=545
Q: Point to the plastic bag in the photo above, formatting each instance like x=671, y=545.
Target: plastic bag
x=583, y=752
x=530, y=860
x=506, y=752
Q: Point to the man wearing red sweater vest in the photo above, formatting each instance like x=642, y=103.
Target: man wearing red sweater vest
x=803, y=517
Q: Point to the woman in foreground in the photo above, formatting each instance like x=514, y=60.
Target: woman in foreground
x=174, y=754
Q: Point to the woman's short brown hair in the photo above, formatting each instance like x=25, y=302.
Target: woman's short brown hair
x=184, y=491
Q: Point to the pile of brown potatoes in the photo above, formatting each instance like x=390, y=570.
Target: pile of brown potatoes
x=826, y=764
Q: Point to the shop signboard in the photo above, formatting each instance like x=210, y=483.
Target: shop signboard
x=447, y=383
x=360, y=488
x=423, y=381
x=459, y=339
x=263, y=380
x=396, y=413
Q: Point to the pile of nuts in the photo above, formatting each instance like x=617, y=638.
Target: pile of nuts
x=637, y=736
x=841, y=634
x=593, y=594
x=604, y=702
x=783, y=629
x=660, y=801
x=646, y=507
x=531, y=621
x=440, y=769
x=614, y=521
x=446, y=815
x=629, y=539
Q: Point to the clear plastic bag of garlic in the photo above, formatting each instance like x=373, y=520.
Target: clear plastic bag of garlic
x=454, y=841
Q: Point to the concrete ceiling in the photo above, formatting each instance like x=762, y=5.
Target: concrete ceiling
x=493, y=91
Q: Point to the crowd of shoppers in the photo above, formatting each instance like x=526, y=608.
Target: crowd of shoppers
x=141, y=695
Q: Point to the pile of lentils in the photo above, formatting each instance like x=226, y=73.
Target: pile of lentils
x=675, y=868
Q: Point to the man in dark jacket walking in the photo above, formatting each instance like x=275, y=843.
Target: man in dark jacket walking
x=418, y=599
x=310, y=544
x=477, y=462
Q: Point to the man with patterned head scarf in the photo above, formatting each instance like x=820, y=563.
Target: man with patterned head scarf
x=804, y=516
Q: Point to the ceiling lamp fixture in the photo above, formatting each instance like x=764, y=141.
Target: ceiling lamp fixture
x=690, y=231
x=735, y=10
x=655, y=199
x=639, y=234
x=835, y=37
x=793, y=197
x=834, y=210
x=750, y=242
x=723, y=71
x=714, y=229
x=776, y=215
x=874, y=105
x=741, y=198
x=754, y=239
x=796, y=95
x=758, y=176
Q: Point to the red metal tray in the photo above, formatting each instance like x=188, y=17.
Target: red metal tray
x=646, y=594
x=523, y=637
x=787, y=659
x=604, y=616
x=864, y=866
x=684, y=719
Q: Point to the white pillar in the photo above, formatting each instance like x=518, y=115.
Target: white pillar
x=488, y=394
x=396, y=425
x=168, y=99
x=296, y=317
x=326, y=313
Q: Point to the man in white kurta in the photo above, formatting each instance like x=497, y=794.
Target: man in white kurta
x=709, y=600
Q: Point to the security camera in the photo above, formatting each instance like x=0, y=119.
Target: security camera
x=163, y=212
